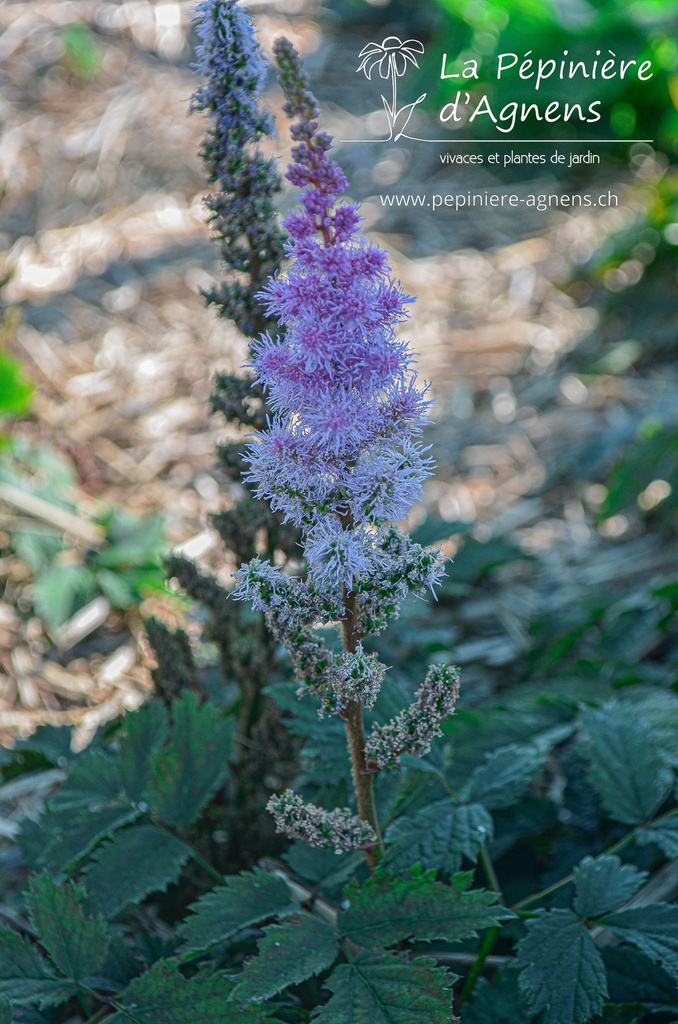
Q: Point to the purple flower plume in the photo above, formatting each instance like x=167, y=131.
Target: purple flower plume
x=340, y=457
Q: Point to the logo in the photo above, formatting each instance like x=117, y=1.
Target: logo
x=391, y=58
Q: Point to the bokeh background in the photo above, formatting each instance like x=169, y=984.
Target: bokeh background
x=550, y=338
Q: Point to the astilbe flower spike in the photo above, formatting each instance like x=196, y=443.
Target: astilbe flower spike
x=341, y=459
x=242, y=211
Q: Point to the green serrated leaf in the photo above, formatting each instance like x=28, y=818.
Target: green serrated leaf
x=501, y=1002
x=387, y=909
x=190, y=768
x=382, y=988
x=632, y=978
x=288, y=954
x=604, y=883
x=563, y=974
x=72, y=835
x=137, y=861
x=145, y=733
x=664, y=834
x=52, y=741
x=5, y=1011
x=438, y=836
x=24, y=976
x=627, y=768
x=77, y=946
x=92, y=783
x=244, y=900
x=163, y=996
x=653, y=929
x=504, y=776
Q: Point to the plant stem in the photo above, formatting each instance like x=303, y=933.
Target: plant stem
x=363, y=781
x=477, y=969
x=490, y=873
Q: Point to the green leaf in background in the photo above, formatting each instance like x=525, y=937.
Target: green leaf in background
x=288, y=954
x=653, y=929
x=382, y=988
x=60, y=590
x=243, y=900
x=145, y=731
x=192, y=765
x=501, y=1002
x=632, y=978
x=504, y=776
x=386, y=909
x=115, y=587
x=627, y=768
x=15, y=391
x=163, y=996
x=604, y=883
x=24, y=975
x=76, y=945
x=438, y=836
x=5, y=1011
x=82, y=54
x=133, y=542
x=563, y=974
x=664, y=834
x=135, y=862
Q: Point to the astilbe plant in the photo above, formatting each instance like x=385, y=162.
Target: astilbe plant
x=566, y=805
x=341, y=458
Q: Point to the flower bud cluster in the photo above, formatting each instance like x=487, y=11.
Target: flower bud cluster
x=337, y=830
x=415, y=728
x=242, y=211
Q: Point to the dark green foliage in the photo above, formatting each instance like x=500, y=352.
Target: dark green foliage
x=382, y=988
x=386, y=910
x=501, y=1002
x=604, y=883
x=163, y=996
x=439, y=836
x=66, y=836
x=504, y=776
x=187, y=771
x=76, y=945
x=627, y=768
x=176, y=670
x=288, y=954
x=563, y=972
x=25, y=976
x=134, y=862
x=665, y=835
x=244, y=900
x=632, y=978
x=653, y=929
x=144, y=734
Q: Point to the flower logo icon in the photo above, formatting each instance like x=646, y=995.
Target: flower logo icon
x=391, y=58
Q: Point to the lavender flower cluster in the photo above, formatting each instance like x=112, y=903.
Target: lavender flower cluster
x=341, y=457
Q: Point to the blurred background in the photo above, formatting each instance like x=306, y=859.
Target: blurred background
x=550, y=338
